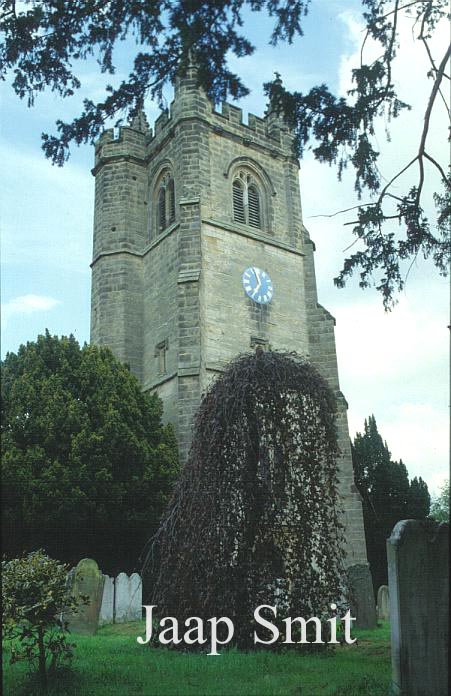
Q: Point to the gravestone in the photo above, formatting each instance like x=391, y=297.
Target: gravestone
x=86, y=580
x=418, y=579
x=106, y=615
x=383, y=610
x=135, y=612
x=127, y=598
x=121, y=598
x=363, y=607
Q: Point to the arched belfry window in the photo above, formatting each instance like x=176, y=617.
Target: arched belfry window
x=165, y=202
x=247, y=207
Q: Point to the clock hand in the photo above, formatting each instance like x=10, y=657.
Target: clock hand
x=259, y=281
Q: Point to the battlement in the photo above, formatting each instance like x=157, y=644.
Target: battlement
x=126, y=141
x=191, y=101
x=228, y=118
x=234, y=115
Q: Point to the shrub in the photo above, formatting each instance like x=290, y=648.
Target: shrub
x=34, y=594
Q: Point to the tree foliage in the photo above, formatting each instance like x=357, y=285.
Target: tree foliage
x=34, y=594
x=440, y=504
x=44, y=40
x=87, y=464
x=254, y=517
x=387, y=495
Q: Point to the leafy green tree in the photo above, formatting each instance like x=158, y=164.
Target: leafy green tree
x=387, y=495
x=87, y=464
x=43, y=41
x=34, y=594
x=440, y=504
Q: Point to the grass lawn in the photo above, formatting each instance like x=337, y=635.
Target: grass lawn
x=113, y=663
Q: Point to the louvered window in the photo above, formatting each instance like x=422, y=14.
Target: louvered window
x=162, y=209
x=171, y=201
x=253, y=202
x=247, y=206
x=238, y=202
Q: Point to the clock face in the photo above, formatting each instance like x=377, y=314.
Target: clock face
x=258, y=285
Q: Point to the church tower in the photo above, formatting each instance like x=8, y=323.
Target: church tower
x=200, y=254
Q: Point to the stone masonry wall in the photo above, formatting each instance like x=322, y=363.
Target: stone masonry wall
x=119, y=235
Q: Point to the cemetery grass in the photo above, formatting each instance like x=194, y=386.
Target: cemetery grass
x=112, y=663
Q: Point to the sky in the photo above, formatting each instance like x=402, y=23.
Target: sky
x=393, y=365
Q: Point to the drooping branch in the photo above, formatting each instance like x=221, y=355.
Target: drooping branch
x=244, y=517
x=432, y=97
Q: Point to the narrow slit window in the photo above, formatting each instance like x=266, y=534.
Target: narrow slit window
x=238, y=202
x=160, y=354
x=162, y=361
x=164, y=202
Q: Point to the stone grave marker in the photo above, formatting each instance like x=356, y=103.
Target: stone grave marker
x=121, y=598
x=383, y=610
x=86, y=580
x=106, y=615
x=418, y=580
x=363, y=607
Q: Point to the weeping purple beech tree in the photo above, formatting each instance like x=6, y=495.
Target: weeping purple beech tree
x=254, y=518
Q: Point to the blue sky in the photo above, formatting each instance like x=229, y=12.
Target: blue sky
x=394, y=365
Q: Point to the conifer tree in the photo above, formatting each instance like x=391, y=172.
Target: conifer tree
x=419, y=498
x=387, y=495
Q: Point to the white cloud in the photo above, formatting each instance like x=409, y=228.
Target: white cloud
x=397, y=345
x=418, y=434
x=46, y=210
x=409, y=74
x=27, y=304
x=393, y=365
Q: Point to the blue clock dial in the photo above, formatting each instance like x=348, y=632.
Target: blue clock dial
x=258, y=285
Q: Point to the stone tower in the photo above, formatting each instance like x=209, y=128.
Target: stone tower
x=183, y=215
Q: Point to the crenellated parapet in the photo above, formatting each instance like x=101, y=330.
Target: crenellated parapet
x=125, y=142
x=140, y=142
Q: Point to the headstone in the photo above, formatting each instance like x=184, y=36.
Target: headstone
x=418, y=578
x=363, y=607
x=86, y=580
x=121, y=598
x=135, y=612
x=127, y=598
x=383, y=611
x=106, y=615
